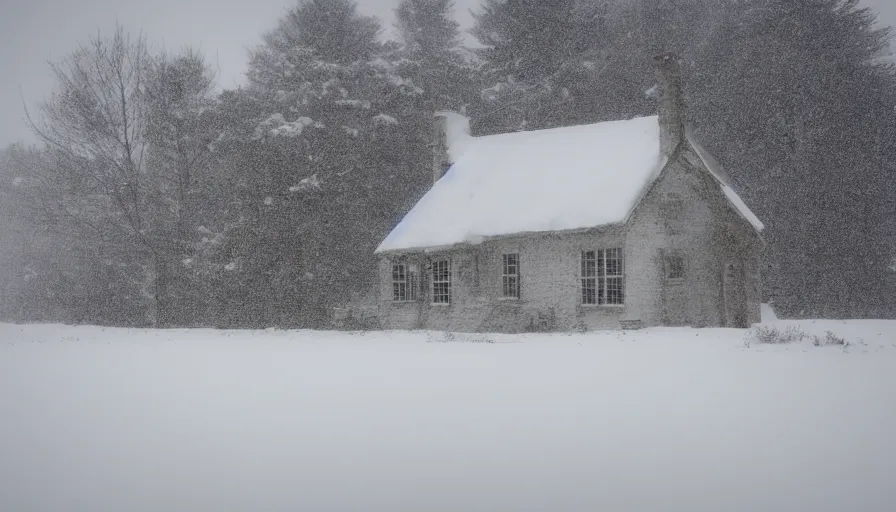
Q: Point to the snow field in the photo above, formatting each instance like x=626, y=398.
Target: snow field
x=661, y=419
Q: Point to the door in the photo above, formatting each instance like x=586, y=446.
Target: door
x=734, y=295
x=677, y=304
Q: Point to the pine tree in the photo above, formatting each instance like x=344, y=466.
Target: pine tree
x=544, y=60
x=332, y=29
x=427, y=28
x=323, y=140
x=433, y=57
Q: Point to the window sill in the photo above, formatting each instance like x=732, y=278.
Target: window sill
x=404, y=302
x=675, y=280
x=439, y=305
x=601, y=306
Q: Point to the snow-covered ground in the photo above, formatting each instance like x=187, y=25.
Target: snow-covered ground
x=667, y=419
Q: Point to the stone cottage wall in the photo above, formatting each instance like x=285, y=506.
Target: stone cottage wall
x=684, y=213
x=550, y=293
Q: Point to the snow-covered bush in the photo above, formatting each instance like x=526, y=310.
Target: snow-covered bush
x=774, y=335
x=829, y=339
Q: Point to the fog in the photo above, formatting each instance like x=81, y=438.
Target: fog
x=356, y=254
x=32, y=32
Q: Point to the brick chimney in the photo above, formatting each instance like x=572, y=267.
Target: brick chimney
x=671, y=107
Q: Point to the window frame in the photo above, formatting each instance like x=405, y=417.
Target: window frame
x=588, y=277
x=406, y=277
x=441, y=278
x=668, y=267
x=596, y=283
x=511, y=288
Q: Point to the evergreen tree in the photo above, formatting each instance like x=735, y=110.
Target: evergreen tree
x=433, y=57
x=323, y=141
x=427, y=28
x=332, y=29
x=544, y=61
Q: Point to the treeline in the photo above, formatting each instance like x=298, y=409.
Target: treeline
x=155, y=199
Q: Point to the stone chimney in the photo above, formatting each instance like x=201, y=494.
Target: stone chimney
x=451, y=135
x=672, y=107
x=441, y=160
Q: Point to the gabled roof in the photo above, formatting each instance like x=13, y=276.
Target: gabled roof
x=537, y=181
x=712, y=165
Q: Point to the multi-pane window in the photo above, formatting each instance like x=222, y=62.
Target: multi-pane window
x=404, y=282
x=441, y=282
x=511, y=276
x=674, y=266
x=589, y=277
x=602, y=277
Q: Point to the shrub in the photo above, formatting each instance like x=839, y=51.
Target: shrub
x=829, y=339
x=773, y=335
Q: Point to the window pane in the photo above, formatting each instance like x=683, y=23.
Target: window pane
x=614, y=262
x=511, y=264
x=399, y=282
x=609, y=280
x=441, y=282
x=674, y=267
x=511, y=287
x=412, y=286
x=399, y=291
x=589, y=296
x=614, y=294
x=589, y=264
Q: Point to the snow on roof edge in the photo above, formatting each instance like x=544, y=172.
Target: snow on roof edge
x=645, y=189
x=712, y=165
x=482, y=239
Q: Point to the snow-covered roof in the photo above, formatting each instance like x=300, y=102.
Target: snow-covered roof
x=536, y=181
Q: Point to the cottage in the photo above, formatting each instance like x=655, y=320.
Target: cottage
x=613, y=225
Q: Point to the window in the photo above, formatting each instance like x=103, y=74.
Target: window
x=511, y=276
x=589, y=277
x=602, y=281
x=674, y=266
x=404, y=282
x=441, y=282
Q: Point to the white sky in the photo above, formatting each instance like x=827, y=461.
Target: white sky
x=35, y=31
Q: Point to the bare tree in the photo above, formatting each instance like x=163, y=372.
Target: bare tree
x=122, y=126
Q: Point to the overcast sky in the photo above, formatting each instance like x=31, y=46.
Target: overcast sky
x=34, y=31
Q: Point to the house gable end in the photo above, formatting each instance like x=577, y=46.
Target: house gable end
x=701, y=159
